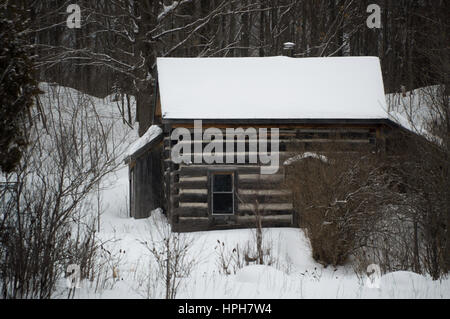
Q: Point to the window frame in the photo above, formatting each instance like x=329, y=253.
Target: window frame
x=234, y=177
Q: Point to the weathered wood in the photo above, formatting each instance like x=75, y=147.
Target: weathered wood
x=191, y=171
x=300, y=138
x=184, y=184
x=257, y=178
x=271, y=218
x=189, y=183
x=269, y=192
x=190, y=225
x=248, y=184
x=167, y=167
x=265, y=212
x=265, y=199
x=187, y=224
x=193, y=198
x=196, y=170
x=240, y=160
x=194, y=191
x=196, y=219
x=193, y=205
x=191, y=212
x=148, y=182
x=266, y=207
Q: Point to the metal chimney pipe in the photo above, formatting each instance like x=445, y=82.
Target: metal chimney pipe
x=288, y=49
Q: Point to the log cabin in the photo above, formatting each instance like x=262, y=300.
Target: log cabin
x=310, y=102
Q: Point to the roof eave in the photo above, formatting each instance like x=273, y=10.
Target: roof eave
x=370, y=121
x=147, y=147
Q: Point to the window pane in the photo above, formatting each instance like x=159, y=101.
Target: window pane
x=222, y=183
x=223, y=203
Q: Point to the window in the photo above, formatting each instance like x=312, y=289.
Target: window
x=222, y=200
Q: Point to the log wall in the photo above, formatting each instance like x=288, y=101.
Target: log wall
x=186, y=186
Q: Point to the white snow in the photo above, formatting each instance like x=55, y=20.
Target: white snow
x=153, y=132
x=167, y=10
x=302, y=156
x=257, y=273
x=292, y=274
x=415, y=110
x=271, y=88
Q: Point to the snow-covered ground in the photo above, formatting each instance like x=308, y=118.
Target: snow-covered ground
x=293, y=273
x=129, y=272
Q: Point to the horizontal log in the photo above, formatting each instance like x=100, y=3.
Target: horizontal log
x=328, y=140
x=235, y=154
x=300, y=138
x=193, y=179
x=247, y=169
x=270, y=207
x=270, y=218
x=203, y=212
x=191, y=172
x=202, y=170
x=194, y=191
x=191, y=212
x=250, y=184
x=281, y=192
x=264, y=212
x=193, y=197
x=261, y=178
x=193, y=205
x=265, y=199
x=323, y=147
x=184, y=224
x=196, y=170
x=224, y=132
x=198, y=184
x=246, y=182
x=334, y=130
x=194, y=219
x=192, y=224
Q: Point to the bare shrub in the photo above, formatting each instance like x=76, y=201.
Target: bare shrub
x=391, y=209
x=339, y=198
x=107, y=268
x=229, y=261
x=43, y=225
x=171, y=255
x=257, y=250
x=426, y=165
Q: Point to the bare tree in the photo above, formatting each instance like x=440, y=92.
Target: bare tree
x=43, y=226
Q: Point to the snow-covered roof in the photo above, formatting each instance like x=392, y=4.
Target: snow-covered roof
x=152, y=133
x=271, y=88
